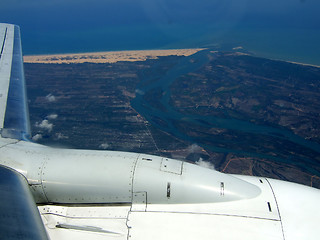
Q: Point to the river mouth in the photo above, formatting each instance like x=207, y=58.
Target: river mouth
x=160, y=99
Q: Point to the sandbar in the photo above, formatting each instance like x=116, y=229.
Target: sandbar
x=108, y=57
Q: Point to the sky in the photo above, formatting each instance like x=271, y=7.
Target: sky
x=56, y=26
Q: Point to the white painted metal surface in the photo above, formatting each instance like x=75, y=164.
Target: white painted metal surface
x=299, y=209
x=93, y=222
x=191, y=184
x=6, y=50
x=131, y=191
x=73, y=176
x=256, y=207
x=164, y=226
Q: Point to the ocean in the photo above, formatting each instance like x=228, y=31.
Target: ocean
x=288, y=29
x=298, y=45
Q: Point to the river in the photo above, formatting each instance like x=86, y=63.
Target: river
x=166, y=117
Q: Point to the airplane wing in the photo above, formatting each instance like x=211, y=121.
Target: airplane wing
x=14, y=115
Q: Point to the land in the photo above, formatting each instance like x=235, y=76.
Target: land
x=108, y=57
x=262, y=91
x=88, y=105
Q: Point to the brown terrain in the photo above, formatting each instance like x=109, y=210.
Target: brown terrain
x=88, y=105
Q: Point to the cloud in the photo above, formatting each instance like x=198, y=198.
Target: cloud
x=140, y=92
x=59, y=136
x=204, y=164
x=194, y=148
x=104, y=146
x=50, y=98
x=37, y=137
x=45, y=125
x=52, y=116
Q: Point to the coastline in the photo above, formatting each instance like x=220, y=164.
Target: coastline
x=108, y=57
x=125, y=55
x=304, y=64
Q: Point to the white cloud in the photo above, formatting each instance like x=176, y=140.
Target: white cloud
x=61, y=136
x=45, y=125
x=52, y=116
x=204, y=164
x=194, y=148
x=104, y=146
x=50, y=98
x=37, y=137
x=140, y=92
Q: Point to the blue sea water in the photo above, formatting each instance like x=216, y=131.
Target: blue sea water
x=287, y=29
x=300, y=45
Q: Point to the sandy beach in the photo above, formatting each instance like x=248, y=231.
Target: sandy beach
x=108, y=57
